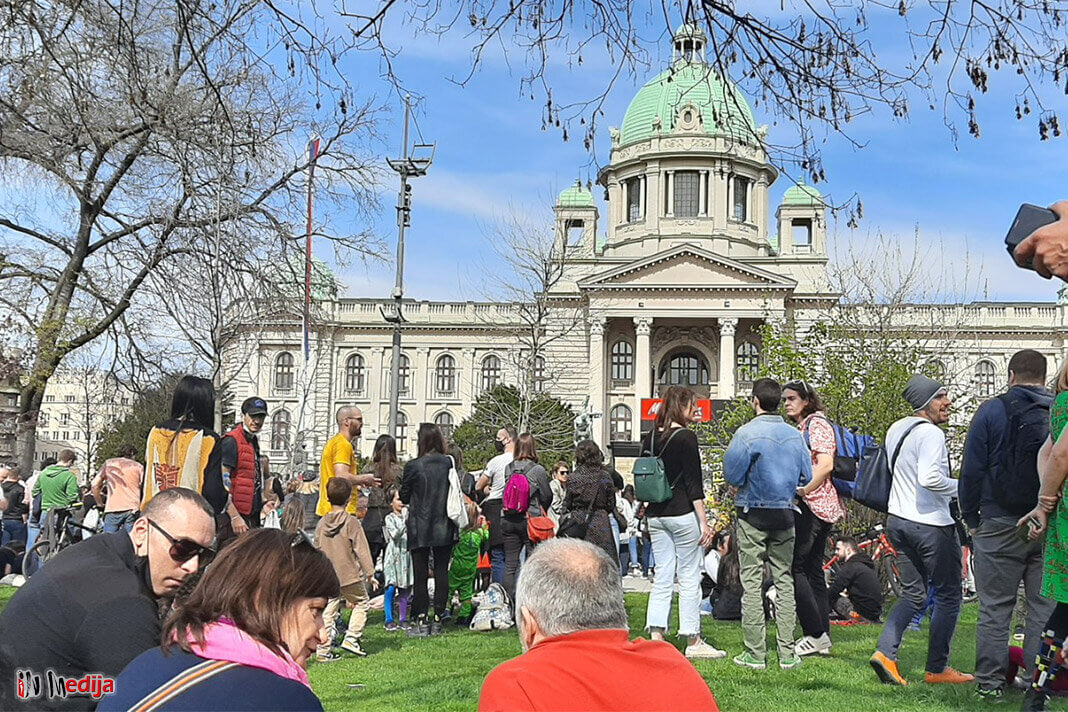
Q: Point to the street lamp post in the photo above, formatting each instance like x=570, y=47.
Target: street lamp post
x=414, y=163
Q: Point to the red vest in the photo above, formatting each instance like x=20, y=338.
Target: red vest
x=243, y=478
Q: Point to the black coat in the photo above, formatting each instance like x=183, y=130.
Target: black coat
x=425, y=489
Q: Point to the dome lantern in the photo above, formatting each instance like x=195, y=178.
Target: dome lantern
x=689, y=43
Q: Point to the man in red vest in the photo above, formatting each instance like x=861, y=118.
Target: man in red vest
x=242, y=475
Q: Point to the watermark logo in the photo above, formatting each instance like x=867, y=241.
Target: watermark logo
x=30, y=685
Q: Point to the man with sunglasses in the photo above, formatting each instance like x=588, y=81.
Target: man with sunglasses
x=97, y=605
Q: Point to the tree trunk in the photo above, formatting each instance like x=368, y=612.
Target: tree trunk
x=30, y=400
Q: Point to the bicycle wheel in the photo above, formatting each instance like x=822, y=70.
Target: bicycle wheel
x=35, y=558
x=889, y=576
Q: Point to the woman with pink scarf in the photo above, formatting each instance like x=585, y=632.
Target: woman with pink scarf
x=243, y=637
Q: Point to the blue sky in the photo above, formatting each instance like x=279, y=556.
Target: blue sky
x=493, y=158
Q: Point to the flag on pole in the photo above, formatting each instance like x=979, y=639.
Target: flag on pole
x=313, y=155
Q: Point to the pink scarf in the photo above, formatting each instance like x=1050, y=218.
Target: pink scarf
x=225, y=641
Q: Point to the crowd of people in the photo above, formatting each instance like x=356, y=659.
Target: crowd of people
x=149, y=604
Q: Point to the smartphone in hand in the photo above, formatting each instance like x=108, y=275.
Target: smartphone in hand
x=1028, y=219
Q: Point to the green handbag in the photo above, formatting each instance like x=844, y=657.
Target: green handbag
x=650, y=481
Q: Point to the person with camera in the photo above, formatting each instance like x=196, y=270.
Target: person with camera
x=1046, y=249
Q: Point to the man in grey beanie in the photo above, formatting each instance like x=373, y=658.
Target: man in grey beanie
x=921, y=527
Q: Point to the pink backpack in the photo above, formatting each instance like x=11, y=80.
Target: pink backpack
x=517, y=493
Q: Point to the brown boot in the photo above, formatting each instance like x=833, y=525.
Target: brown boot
x=949, y=676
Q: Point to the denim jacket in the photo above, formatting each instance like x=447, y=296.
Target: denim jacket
x=767, y=461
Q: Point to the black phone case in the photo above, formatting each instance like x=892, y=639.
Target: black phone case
x=1028, y=219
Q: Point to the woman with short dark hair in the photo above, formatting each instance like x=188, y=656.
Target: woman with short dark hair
x=590, y=488
x=243, y=637
x=425, y=489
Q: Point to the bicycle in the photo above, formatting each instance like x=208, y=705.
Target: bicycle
x=878, y=546
x=58, y=531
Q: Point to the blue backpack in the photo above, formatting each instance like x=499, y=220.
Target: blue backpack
x=850, y=446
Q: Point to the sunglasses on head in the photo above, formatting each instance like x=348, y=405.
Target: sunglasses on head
x=301, y=537
x=182, y=550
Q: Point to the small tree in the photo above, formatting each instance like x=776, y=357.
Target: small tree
x=551, y=423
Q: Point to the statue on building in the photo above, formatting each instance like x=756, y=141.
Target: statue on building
x=584, y=423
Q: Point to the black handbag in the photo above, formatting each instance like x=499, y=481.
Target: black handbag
x=574, y=523
x=875, y=474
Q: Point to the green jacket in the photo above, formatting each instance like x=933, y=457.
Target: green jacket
x=57, y=486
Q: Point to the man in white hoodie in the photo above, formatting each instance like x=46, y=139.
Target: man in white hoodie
x=921, y=527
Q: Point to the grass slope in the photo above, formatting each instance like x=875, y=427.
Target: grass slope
x=445, y=673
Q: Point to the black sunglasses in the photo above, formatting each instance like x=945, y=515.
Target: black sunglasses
x=301, y=537
x=182, y=550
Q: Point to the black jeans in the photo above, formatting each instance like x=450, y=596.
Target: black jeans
x=420, y=571
x=810, y=587
x=930, y=555
x=514, y=533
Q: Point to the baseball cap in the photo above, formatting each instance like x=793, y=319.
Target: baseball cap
x=254, y=406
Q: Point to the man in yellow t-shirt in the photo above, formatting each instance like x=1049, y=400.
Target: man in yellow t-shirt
x=339, y=459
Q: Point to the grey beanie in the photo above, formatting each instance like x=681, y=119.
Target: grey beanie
x=921, y=390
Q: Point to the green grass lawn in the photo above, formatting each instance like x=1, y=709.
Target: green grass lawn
x=445, y=673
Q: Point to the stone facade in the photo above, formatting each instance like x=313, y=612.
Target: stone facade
x=673, y=284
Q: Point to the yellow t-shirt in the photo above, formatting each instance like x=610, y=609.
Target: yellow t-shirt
x=338, y=451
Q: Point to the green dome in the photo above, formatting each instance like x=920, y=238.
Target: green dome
x=724, y=110
x=577, y=196
x=802, y=194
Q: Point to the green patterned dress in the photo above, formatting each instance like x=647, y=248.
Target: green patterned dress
x=1055, y=581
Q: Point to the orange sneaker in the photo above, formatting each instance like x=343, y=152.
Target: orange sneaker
x=887, y=670
x=949, y=676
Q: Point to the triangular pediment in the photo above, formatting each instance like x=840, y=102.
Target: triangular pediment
x=687, y=267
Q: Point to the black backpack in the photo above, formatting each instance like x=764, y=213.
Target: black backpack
x=1015, y=487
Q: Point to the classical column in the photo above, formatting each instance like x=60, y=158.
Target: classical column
x=727, y=327
x=670, y=212
x=375, y=393
x=596, y=389
x=761, y=215
x=702, y=200
x=419, y=386
x=643, y=386
x=465, y=386
x=641, y=197
x=621, y=210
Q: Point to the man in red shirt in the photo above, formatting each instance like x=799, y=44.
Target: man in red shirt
x=577, y=647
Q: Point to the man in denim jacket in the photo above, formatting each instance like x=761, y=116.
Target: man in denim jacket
x=767, y=461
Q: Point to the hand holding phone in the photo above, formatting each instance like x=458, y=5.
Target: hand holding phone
x=1038, y=239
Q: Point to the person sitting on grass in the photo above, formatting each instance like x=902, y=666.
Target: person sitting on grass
x=340, y=536
x=577, y=647
x=856, y=587
x=242, y=639
x=464, y=566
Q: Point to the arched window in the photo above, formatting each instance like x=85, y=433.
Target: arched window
x=935, y=369
x=402, y=432
x=280, y=429
x=283, y=372
x=747, y=362
x=685, y=368
x=444, y=421
x=355, y=374
x=491, y=372
x=622, y=361
x=445, y=375
x=986, y=380
x=620, y=423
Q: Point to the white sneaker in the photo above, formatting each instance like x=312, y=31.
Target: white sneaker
x=812, y=646
x=704, y=651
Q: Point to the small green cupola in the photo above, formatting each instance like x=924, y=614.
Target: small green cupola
x=576, y=220
x=802, y=218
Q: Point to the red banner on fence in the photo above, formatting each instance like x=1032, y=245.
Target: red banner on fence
x=651, y=408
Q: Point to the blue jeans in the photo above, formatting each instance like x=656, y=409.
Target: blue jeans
x=496, y=555
x=14, y=530
x=633, y=546
x=931, y=554
x=648, y=559
x=32, y=532
x=118, y=521
x=677, y=543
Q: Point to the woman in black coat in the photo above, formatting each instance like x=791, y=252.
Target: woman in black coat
x=590, y=483
x=425, y=489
